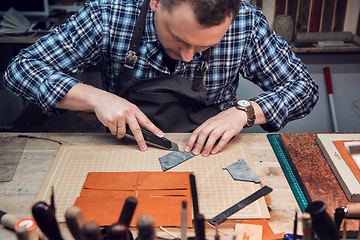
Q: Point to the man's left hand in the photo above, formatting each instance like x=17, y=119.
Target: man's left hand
x=211, y=136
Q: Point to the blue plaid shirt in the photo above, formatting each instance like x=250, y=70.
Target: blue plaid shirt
x=101, y=33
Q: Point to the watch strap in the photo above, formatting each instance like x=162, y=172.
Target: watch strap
x=249, y=111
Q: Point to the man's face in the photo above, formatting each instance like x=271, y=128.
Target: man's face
x=181, y=35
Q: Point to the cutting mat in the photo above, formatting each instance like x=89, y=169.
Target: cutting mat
x=216, y=189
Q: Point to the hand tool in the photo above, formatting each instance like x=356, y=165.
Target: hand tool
x=128, y=211
x=331, y=98
x=30, y=227
x=200, y=230
x=8, y=220
x=155, y=140
x=91, y=231
x=351, y=211
x=46, y=220
x=52, y=200
x=240, y=205
x=183, y=220
x=22, y=233
x=75, y=221
x=295, y=226
x=118, y=231
x=322, y=223
x=145, y=225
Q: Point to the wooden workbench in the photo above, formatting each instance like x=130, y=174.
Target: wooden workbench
x=17, y=196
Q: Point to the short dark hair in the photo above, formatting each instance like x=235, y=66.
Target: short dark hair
x=209, y=13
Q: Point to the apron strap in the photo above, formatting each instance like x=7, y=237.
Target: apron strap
x=201, y=69
x=131, y=58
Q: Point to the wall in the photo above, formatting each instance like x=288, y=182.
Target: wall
x=345, y=74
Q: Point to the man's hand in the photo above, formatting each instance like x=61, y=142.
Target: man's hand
x=211, y=136
x=112, y=111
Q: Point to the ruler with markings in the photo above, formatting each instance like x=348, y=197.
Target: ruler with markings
x=288, y=170
x=240, y=205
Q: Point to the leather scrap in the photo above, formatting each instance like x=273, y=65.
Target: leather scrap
x=174, y=158
x=241, y=171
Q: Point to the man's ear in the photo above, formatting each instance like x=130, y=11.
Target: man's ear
x=154, y=5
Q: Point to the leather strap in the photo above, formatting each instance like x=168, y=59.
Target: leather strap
x=131, y=58
x=201, y=69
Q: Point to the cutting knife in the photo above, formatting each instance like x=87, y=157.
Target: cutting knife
x=155, y=140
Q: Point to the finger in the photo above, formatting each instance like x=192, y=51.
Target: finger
x=190, y=143
x=211, y=141
x=136, y=130
x=200, y=142
x=152, y=128
x=121, y=129
x=221, y=143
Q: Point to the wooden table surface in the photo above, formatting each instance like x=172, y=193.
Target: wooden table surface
x=18, y=196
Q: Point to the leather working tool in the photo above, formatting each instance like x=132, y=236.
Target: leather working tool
x=155, y=140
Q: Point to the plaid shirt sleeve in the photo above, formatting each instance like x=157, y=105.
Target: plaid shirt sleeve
x=290, y=92
x=39, y=73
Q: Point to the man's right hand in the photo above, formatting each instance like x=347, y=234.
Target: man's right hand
x=112, y=111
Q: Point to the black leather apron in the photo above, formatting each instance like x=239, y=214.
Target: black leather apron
x=173, y=103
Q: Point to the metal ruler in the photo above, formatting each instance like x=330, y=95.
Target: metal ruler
x=288, y=170
x=240, y=205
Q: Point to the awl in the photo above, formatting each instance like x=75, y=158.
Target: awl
x=155, y=140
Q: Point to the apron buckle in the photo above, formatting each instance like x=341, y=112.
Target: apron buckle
x=201, y=69
x=130, y=59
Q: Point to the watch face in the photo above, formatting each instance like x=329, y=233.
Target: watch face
x=244, y=103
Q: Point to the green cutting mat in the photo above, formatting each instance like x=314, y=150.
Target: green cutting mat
x=288, y=170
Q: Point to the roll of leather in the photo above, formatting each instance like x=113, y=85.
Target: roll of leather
x=356, y=39
x=314, y=37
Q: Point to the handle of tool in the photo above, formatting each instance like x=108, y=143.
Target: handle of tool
x=128, y=211
x=200, y=229
x=118, y=231
x=331, y=98
x=22, y=233
x=46, y=220
x=75, y=221
x=91, y=231
x=8, y=220
x=353, y=210
x=184, y=220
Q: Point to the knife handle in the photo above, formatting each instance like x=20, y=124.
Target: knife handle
x=46, y=220
x=151, y=137
x=128, y=211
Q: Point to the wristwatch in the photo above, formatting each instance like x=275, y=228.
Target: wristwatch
x=246, y=106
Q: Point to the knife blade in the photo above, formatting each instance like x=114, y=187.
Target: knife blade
x=155, y=140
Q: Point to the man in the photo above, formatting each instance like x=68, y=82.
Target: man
x=176, y=35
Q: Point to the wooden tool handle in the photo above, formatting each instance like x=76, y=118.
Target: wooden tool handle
x=118, y=231
x=46, y=220
x=128, y=211
x=9, y=220
x=75, y=221
x=91, y=231
x=22, y=233
x=353, y=210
